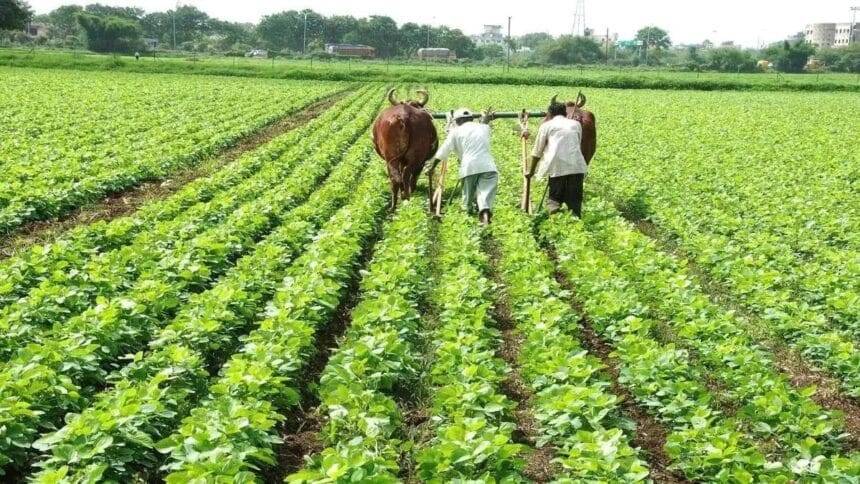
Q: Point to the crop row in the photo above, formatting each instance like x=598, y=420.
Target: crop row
x=575, y=412
x=571, y=403
x=705, y=444
x=140, y=129
x=376, y=360
x=20, y=273
x=164, y=383
x=471, y=419
x=661, y=297
x=795, y=321
x=775, y=412
x=775, y=217
x=235, y=428
x=57, y=374
x=161, y=249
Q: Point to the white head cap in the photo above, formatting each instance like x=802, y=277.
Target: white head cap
x=462, y=113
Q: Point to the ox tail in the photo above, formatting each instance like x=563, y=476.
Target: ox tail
x=395, y=171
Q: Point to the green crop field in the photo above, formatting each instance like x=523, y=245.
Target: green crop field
x=272, y=320
x=74, y=136
x=418, y=72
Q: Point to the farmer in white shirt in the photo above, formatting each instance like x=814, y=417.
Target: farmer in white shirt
x=558, y=148
x=470, y=141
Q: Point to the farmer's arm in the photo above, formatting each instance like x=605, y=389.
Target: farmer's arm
x=444, y=151
x=537, y=152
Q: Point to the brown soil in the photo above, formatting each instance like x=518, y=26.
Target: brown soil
x=127, y=201
x=539, y=466
x=828, y=393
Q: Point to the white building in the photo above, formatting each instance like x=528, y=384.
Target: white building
x=602, y=39
x=831, y=34
x=492, y=35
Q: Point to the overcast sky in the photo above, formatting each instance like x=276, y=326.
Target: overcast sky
x=747, y=22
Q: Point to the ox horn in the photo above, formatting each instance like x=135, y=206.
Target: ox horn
x=425, y=96
x=391, y=98
x=553, y=100
x=580, y=99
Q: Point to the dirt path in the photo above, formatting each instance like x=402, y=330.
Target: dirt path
x=127, y=201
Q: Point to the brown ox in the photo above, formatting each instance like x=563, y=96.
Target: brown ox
x=588, y=145
x=405, y=137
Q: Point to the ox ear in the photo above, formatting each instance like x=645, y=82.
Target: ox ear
x=580, y=99
x=392, y=98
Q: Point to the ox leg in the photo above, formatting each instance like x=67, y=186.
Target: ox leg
x=392, y=182
x=408, y=175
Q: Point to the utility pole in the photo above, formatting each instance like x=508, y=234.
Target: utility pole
x=606, y=53
x=852, y=28
x=305, y=35
x=175, y=8
x=428, y=36
x=510, y=43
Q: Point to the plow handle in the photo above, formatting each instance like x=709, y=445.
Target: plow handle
x=526, y=199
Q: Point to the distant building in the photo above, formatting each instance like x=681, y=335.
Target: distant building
x=832, y=34
x=436, y=53
x=150, y=43
x=492, y=35
x=351, y=50
x=34, y=29
x=257, y=53
x=602, y=39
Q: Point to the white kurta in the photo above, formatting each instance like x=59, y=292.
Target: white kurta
x=558, y=144
x=471, y=143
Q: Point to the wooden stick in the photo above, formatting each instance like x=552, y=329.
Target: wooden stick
x=437, y=196
x=525, y=200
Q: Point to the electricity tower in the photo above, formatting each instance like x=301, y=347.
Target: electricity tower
x=579, y=18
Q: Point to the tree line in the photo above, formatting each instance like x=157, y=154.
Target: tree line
x=103, y=28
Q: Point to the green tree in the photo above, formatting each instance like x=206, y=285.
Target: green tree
x=14, y=14
x=790, y=57
x=534, y=40
x=845, y=59
x=129, y=13
x=158, y=25
x=490, y=52
x=337, y=26
x=653, y=37
x=731, y=59
x=412, y=38
x=382, y=33
x=455, y=40
x=282, y=30
x=109, y=33
x=63, y=21
x=568, y=50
